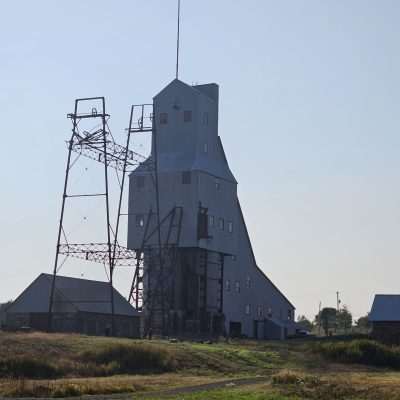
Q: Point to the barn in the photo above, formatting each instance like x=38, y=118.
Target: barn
x=80, y=306
x=385, y=318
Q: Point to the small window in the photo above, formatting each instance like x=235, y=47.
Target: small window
x=217, y=184
x=205, y=148
x=233, y=258
x=163, y=118
x=269, y=312
x=211, y=220
x=205, y=118
x=259, y=311
x=230, y=226
x=248, y=282
x=248, y=309
x=186, y=177
x=140, y=220
x=187, y=116
x=221, y=224
x=140, y=182
x=237, y=286
x=289, y=316
x=228, y=285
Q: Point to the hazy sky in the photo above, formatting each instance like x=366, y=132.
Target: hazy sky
x=309, y=117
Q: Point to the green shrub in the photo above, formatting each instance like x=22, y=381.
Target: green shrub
x=135, y=358
x=27, y=367
x=361, y=351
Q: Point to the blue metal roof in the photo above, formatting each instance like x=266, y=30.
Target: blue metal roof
x=386, y=307
x=71, y=295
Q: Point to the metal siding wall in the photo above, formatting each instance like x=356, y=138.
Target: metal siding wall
x=261, y=291
x=181, y=148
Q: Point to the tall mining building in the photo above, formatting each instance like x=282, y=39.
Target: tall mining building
x=199, y=274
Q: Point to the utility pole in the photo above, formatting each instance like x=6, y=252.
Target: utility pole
x=319, y=319
x=337, y=310
x=337, y=302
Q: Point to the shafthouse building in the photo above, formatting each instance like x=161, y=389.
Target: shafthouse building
x=80, y=306
x=206, y=279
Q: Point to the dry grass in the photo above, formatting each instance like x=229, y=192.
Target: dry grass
x=292, y=369
x=105, y=385
x=83, y=356
x=347, y=385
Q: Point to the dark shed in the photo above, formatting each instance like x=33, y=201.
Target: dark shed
x=80, y=306
x=385, y=318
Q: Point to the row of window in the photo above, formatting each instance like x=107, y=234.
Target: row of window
x=221, y=223
x=187, y=117
x=268, y=312
x=211, y=221
x=237, y=284
x=186, y=180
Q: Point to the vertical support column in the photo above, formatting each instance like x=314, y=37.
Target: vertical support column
x=221, y=287
x=205, y=277
x=122, y=188
x=109, y=245
x=160, y=257
x=60, y=226
x=137, y=278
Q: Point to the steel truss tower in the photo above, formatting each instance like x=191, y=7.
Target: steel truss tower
x=91, y=138
x=96, y=142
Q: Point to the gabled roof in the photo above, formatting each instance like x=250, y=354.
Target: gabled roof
x=209, y=90
x=71, y=295
x=386, y=307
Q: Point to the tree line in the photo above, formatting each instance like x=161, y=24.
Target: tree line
x=331, y=320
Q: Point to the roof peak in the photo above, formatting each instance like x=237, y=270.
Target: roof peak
x=210, y=90
x=72, y=277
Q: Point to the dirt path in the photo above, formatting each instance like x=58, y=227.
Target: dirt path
x=206, y=386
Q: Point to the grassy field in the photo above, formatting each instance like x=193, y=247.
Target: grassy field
x=42, y=365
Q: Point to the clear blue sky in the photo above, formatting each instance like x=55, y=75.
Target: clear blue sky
x=309, y=94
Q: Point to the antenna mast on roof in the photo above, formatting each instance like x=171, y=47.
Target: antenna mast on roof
x=177, y=39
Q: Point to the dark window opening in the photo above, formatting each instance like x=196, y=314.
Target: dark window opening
x=187, y=116
x=163, y=118
x=202, y=223
x=186, y=177
x=235, y=329
x=221, y=224
x=228, y=285
x=211, y=220
x=217, y=184
x=230, y=227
